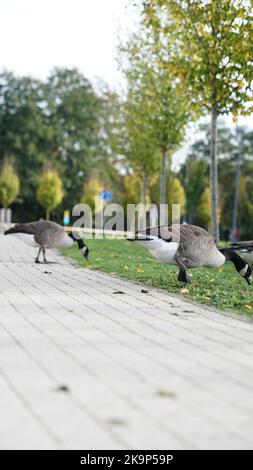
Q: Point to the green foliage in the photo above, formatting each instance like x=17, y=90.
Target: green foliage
x=50, y=192
x=156, y=113
x=194, y=176
x=9, y=185
x=177, y=194
x=54, y=121
x=207, y=44
x=210, y=43
x=204, y=208
x=91, y=191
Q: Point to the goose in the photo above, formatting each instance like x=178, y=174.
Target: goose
x=188, y=246
x=245, y=249
x=46, y=234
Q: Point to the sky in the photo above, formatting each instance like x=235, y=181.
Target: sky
x=37, y=35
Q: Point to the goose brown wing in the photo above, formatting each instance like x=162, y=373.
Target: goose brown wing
x=178, y=233
x=31, y=228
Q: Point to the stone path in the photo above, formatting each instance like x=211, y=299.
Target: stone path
x=84, y=367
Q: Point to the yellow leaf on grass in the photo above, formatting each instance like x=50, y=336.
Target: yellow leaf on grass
x=249, y=307
x=126, y=267
x=184, y=291
x=140, y=270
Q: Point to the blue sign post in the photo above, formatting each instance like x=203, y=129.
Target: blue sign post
x=66, y=218
x=106, y=195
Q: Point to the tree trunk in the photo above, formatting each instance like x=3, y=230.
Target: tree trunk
x=163, y=188
x=214, y=175
x=145, y=188
x=48, y=214
x=237, y=190
x=143, y=196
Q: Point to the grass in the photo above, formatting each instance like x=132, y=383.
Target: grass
x=223, y=288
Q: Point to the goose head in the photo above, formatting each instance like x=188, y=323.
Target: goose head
x=240, y=265
x=84, y=250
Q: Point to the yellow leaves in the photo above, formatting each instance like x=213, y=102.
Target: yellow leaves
x=9, y=185
x=126, y=267
x=139, y=270
x=184, y=291
x=249, y=307
x=50, y=190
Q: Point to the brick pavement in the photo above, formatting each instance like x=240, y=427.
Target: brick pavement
x=82, y=367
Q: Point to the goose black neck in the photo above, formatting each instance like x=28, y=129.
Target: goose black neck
x=79, y=241
x=231, y=255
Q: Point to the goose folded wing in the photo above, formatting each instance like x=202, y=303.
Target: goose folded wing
x=176, y=233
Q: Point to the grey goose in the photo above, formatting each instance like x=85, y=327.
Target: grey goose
x=189, y=246
x=46, y=234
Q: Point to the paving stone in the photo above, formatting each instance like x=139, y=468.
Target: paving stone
x=81, y=367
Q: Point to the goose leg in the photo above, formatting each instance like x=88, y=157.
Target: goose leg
x=38, y=255
x=44, y=255
x=183, y=273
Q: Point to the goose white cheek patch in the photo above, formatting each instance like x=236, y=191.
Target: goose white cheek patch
x=244, y=270
x=83, y=250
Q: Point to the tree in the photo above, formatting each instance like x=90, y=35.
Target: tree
x=73, y=114
x=23, y=134
x=157, y=109
x=177, y=194
x=50, y=192
x=211, y=58
x=9, y=185
x=232, y=141
x=204, y=207
x=55, y=121
x=91, y=190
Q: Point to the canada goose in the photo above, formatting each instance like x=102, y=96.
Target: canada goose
x=245, y=249
x=45, y=234
x=191, y=247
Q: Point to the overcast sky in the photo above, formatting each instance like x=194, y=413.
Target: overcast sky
x=36, y=35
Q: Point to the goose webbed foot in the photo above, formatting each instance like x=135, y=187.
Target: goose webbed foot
x=37, y=259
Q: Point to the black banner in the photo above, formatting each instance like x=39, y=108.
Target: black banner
x=125, y=458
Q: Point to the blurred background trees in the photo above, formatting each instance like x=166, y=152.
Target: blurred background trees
x=177, y=75
x=50, y=192
x=9, y=185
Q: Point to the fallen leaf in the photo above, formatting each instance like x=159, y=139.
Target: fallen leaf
x=249, y=307
x=184, y=291
x=126, y=267
x=140, y=270
x=166, y=394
